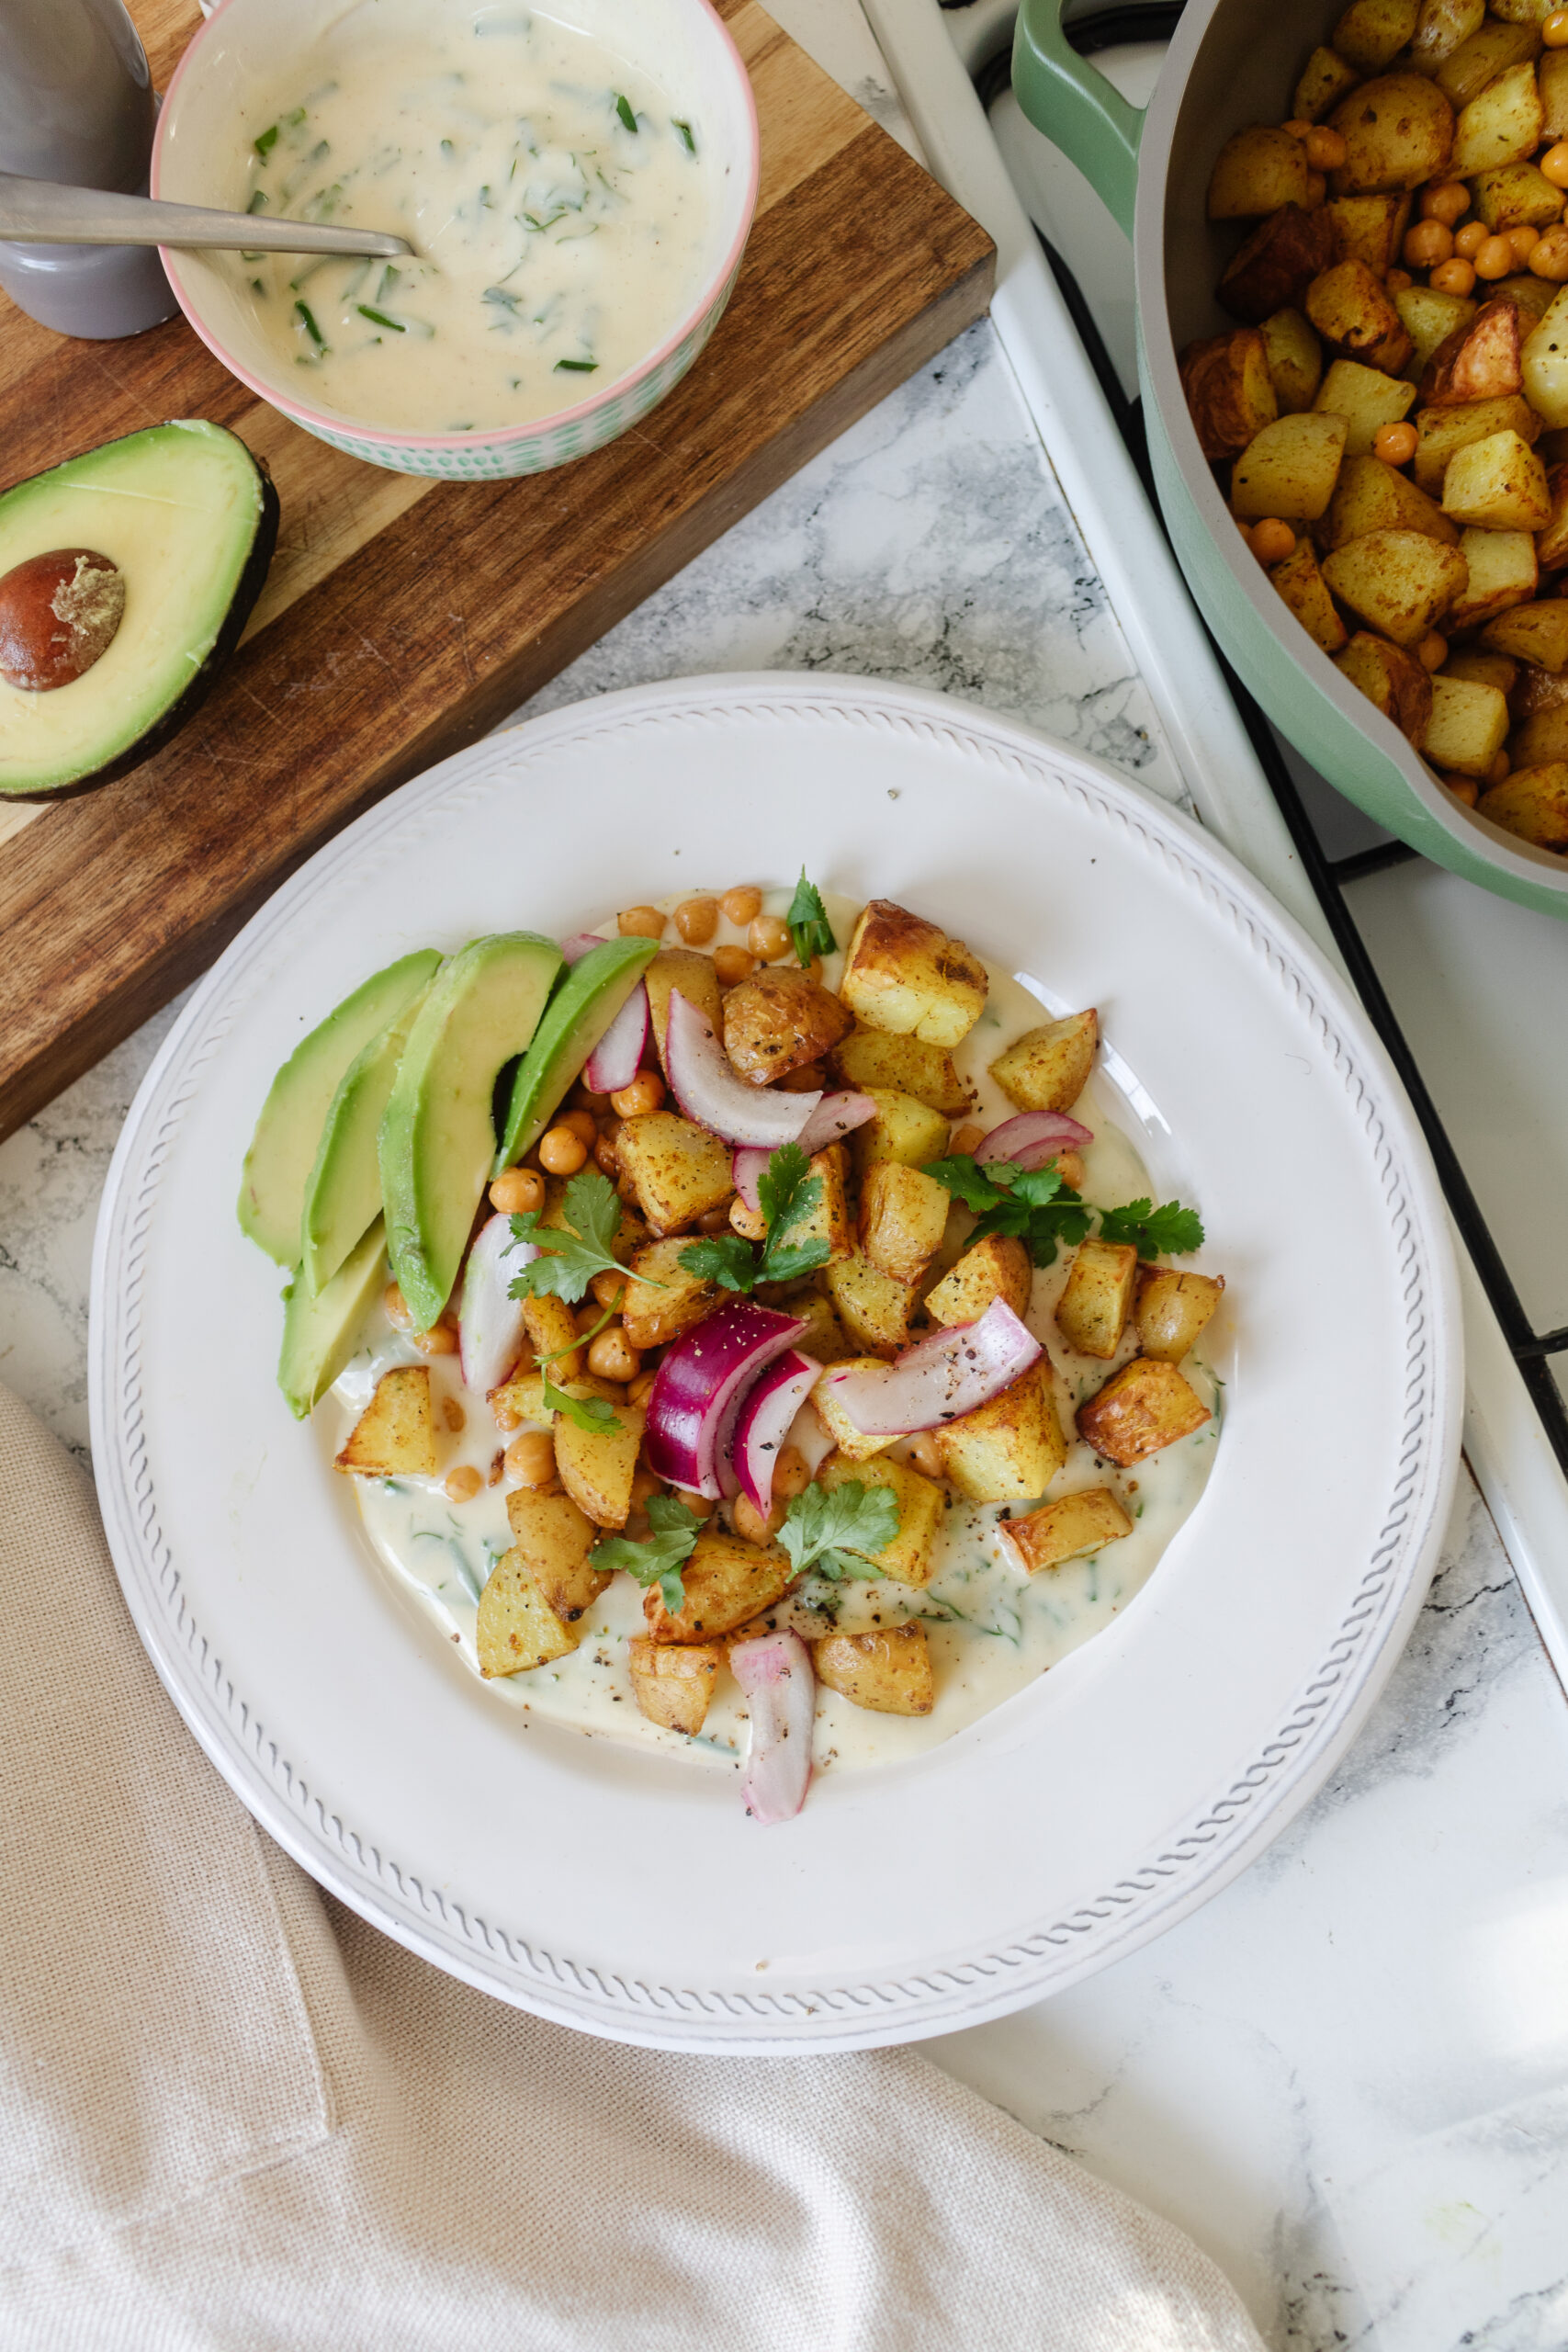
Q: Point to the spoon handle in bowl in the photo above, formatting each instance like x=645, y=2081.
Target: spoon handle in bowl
x=39, y=212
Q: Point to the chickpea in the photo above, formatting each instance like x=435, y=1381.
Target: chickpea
x=644, y=1094
x=608, y=1289
x=1469, y=239
x=966, y=1139
x=924, y=1456
x=562, y=1151
x=1444, y=200
x=700, y=1506
x=1500, y=769
x=396, y=1308
x=741, y=904
x=1429, y=241
x=1524, y=240
x=1070, y=1166
x=1394, y=443
x=715, y=1220
x=507, y=1417
x=606, y=1159
x=463, y=1484
x=1494, y=258
x=750, y=1224
x=517, y=1191
x=1326, y=149
x=1296, y=127
x=748, y=1523
x=587, y=1316
x=791, y=1473
x=1316, y=189
x=1463, y=787
x=1554, y=163
x=1550, y=258
x=1454, y=276
x=584, y=1099
x=1554, y=31
x=696, y=919
x=439, y=1340
x=768, y=938
x=1398, y=281
x=612, y=1355
x=807, y=1079
x=640, y=922
x=1273, y=541
x=733, y=964
x=584, y=1124
x=452, y=1415
x=1433, y=650
x=531, y=1458
x=641, y=1388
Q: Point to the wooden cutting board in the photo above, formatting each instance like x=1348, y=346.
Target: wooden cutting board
x=402, y=618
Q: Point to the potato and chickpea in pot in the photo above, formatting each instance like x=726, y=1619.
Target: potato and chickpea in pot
x=1390, y=417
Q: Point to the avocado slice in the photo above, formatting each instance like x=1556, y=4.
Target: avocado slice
x=320, y=1329
x=189, y=519
x=279, y=1163
x=438, y=1133
x=581, y=1010
x=343, y=1196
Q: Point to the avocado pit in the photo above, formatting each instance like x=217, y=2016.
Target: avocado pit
x=58, y=613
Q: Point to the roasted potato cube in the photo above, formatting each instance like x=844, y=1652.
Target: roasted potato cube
x=873, y=1310
x=1440, y=29
x=1353, y=311
x=1257, y=170
x=1325, y=79
x=1066, y=1530
x=1009, y=1450
x=1551, y=81
x=1500, y=125
x=869, y=1058
x=1401, y=582
x=1398, y=133
x=1142, y=1408
x=1371, y=496
x=1392, y=679
x=1476, y=62
x=1172, y=1309
x=1545, y=364
x=903, y=1216
x=1370, y=229
x=1290, y=469
x=1533, y=803
x=1366, y=399
x=395, y=1435
x=1535, y=633
x=1467, y=729
x=831, y=1220
x=1518, y=196
x=1551, y=547
x=1502, y=572
x=1529, y=690
x=1442, y=433
x=904, y=1129
x=672, y=1682
x=1428, y=318
x=888, y=1670
x=779, y=1019
x=997, y=1266
x=596, y=1466
x=665, y=1298
x=1542, y=741
x=1278, y=263
x=727, y=1580
x=822, y=1337
x=552, y=1332
x=1479, y=361
x=695, y=976
x=522, y=1398
x=1092, y=1311
x=902, y=974
x=1498, y=483
x=1482, y=668
x=911, y=1555
x=1299, y=581
x=517, y=1629
x=1047, y=1069
x=676, y=1170
x=852, y=1443
x=1230, y=392
x=553, y=1540
x=1532, y=295
x=1372, y=33
x=1295, y=359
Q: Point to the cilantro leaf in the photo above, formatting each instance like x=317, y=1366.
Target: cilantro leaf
x=1170, y=1230
x=725, y=1259
x=1030, y=1204
x=569, y=1261
x=830, y=1529
x=808, y=920
x=660, y=1559
x=584, y=1412
x=968, y=1181
x=788, y=1194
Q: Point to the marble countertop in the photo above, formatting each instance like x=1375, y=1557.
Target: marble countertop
x=1348, y=2076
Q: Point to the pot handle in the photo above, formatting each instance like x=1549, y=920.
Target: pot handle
x=1077, y=107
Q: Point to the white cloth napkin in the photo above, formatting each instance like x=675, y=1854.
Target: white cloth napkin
x=232, y=2116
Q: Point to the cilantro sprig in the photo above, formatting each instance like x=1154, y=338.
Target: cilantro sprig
x=788, y=1194
x=660, y=1559
x=588, y=1413
x=808, y=920
x=570, y=1259
x=828, y=1529
x=1038, y=1207
x=1170, y=1231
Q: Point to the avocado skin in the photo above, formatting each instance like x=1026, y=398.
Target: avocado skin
x=252, y=577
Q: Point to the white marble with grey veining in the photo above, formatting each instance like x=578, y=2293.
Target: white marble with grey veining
x=1348, y=2076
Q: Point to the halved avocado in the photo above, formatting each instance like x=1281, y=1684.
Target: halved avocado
x=190, y=520
x=438, y=1134
x=581, y=1010
x=320, y=1329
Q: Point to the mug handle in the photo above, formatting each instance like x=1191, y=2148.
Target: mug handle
x=1077, y=107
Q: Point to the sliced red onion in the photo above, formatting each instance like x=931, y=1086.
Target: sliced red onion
x=835, y=1117
x=708, y=1091
x=745, y=1167
x=774, y=1671
x=575, y=948
x=490, y=1321
x=949, y=1374
x=700, y=1386
x=811, y=1439
x=617, y=1057
x=767, y=1412
x=1034, y=1138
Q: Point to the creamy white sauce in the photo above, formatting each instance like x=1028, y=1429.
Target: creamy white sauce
x=992, y=1628
x=558, y=204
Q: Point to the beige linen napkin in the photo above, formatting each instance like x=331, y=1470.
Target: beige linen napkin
x=232, y=2116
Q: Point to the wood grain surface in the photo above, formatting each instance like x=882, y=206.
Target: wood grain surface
x=402, y=618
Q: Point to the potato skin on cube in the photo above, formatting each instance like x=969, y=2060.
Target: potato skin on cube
x=551, y=1328
x=1429, y=317
x=1398, y=133
x=903, y=1216
x=517, y=1629
x=875, y=1310
x=1171, y=1310
x=1534, y=633
x=1294, y=357
x=695, y=975
x=1371, y=229
x=902, y=974
x=1532, y=803
x=875, y=1057
x=1490, y=50
x=1279, y=261
x=726, y=1581
x=677, y=1172
x=1467, y=729
x=553, y=1538
x=1325, y=79
x=596, y=1466
x=1290, y=469
x=997, y=1266
x=904, y=1129
x=1299, y=581
x=1141, y=1409
x=395, y=1435
x=1257, y=170
x=889, y=1671
x=1009, y=1450
x=853, y=1445
x=911, y=1555
x=1354, y=312
x=1372, y=33
x=1392, y=679
x=1047, y=1069
x=663, y=1298
x=672, y=1682
x=1440, y=28
x=1230, y=391
x=1065, y=1530
x=778, y=1021
x=1092, y=1311
x=1400, y=582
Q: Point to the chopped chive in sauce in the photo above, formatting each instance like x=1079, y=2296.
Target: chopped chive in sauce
x=447, y=147
x=390, y=277
x=257, y=286
x=576, y=367
x=258, y=200
x=307, y=319
x=379, y=317
x=624, y=109
x=265, y=144
x=687, y=141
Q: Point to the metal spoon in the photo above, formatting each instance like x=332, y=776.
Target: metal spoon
x=41, y=212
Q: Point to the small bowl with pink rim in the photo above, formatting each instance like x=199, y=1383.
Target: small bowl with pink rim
x=218, y=103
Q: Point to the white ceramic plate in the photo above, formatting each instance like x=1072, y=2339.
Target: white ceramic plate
x=627, y=1892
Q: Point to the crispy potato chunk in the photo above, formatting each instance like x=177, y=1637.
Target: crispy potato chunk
x=1066, y=1530
x=1499, y=126
x=1545, y=366
x=727, y=1580
x=1257, y=170
x=1428, y=318
x=1366, y=399
x=596, y=1466
x=823, y=1337
x=1551, y=80
x=1230, y=391
x=778, y=1021
x=695, y=976
x=1371, y=229
x=1279, y=261
x=1468, y=726
x=1142, y=1408
x=997, y=1266
x=677, y=1172
x=903, y=1216
x=1479, y=361
x=1372, y=33
x=873, y=1308
x=1392, y=679
x=1401, y=582
x=672, y=1682
x=1092, y=1311
x=1353, y=311
x=1498, y=484
x=522, y=1396
x=1290, y=469
x=1294, y=357
x=1518, y=197
x=1009, y=1450
x=1301, y=583
x=552, y=1332
x=517, y=1629
x=1172, y=1309
x=831, y=1220
x=1325, y=79
x=1442, y=433
x=1398, y=133
x=852, y=1443
x=553, y=1539
x=1501, y=570
x=1533, y=803
x=911, y=1555
x=903, y=974
x=1482, y=668
x=1551, y=547
x=1440, y=28
x=1542, y=741
x=395, y=1435
x=666, y=1298
x=904, y=1129
x=1370, y=496
x=1047, y=1069
x=1534, y=633
x=871, y=1057
x=1489, y=52
x=888, y=1670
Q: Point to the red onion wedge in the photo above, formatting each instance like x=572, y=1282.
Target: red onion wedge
x=774, y=1671
x=834, y=1117
x=575, y=948
x=700, y=1384
x=951, y=1372
x=708, y=1091
x=617, y=1057
x=1034, y=1138
x=745, y=1167
x=767, y=1412
x=490, y=1321
x=811, y=1439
